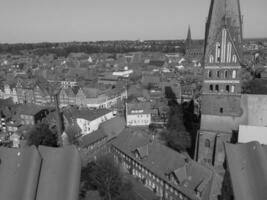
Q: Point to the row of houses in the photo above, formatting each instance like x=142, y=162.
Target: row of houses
x=41, y=93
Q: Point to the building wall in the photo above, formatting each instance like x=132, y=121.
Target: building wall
x=211, y=147
x=159, y=186
x=138, y=119
x=221, y=105
x=88, y=127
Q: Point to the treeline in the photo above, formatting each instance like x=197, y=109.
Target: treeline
x=64, y=49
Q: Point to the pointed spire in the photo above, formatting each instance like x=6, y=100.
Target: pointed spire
x=224, y=14
x=189, y=34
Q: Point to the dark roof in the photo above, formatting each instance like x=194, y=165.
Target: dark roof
x=155, y=159
x=39, y=174
x=247, y=164
x=92, y=138
x=60, y=174
x=30, y=109
x=143, y=107
x=85, y=113
x=113, y=127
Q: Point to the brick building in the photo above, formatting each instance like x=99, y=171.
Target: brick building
x=221, y=94
x=174, y=176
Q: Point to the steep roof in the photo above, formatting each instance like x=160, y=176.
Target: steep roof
x=153, y=157
x=60, y=173
x=39, y=174
x=247, y=165
x=224, y=13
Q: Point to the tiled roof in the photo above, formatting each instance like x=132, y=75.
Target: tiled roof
x=30, y=109
x=85, y=113
x=155, y=159
x=247, y=164
x=139, y=106
x=39, y=174
x=92, y=138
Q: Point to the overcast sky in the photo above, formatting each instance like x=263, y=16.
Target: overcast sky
x=91, y=20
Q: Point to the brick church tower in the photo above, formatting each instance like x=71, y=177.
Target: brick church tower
x=221, y=92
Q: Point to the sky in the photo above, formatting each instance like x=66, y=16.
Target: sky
x=91, y=20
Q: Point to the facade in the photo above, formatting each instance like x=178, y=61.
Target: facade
x=221, y=95
x=87, y=120
x=172, y=177
x=32, y=114
x=138, y=114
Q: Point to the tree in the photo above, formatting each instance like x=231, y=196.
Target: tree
x=105, y=176
x=40, y=134
x=176, y=134
x=73, y=133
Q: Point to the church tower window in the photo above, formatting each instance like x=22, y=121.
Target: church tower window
x=227, y=88
x=232, y=88
x=211, y=88
x=234, y=59
x=229, y=52
x=225, y=74
x=207, y=143
x=221, y=110
x=217, y=88
x=218, y=52
x=234, y=74
x=211, y=58
x=218, y=74
x=209, y=74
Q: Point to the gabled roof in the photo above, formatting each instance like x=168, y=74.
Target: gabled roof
x=39, y=174
x=247, y=164
x=224, y=13
x=92, y=138
x=154, y=158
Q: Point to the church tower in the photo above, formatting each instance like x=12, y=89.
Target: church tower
x=188, y=42
x=221, y=91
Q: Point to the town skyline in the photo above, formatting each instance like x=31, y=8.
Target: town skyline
x=66, y=21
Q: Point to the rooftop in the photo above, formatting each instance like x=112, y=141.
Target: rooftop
x=39, y=174
x=247, y=164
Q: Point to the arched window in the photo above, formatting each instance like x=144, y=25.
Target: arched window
x=218, y=74
x=232, y=88
x=217, y=88
x=221, y=110
x=218, y=52
x=225, y=74
x=211, y=58
x=207, y=143
x=209, y=74
x=234, y=74
x=227, y=88
x=234, y=59
x=211, y=88
x=229, y=52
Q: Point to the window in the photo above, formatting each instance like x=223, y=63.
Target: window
x=234, y=74
x=229, y=52
x=225, y=74
x=217, y=88
x=209, y=74
x=227, y=88
x=211, y=58
x=218, y=52
x=221, y=110
x=207, y=143
x=232, y=88
x=234, y=59
x=211, y=88
x=218, y=74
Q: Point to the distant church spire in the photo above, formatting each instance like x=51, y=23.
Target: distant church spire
x=188, y=38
